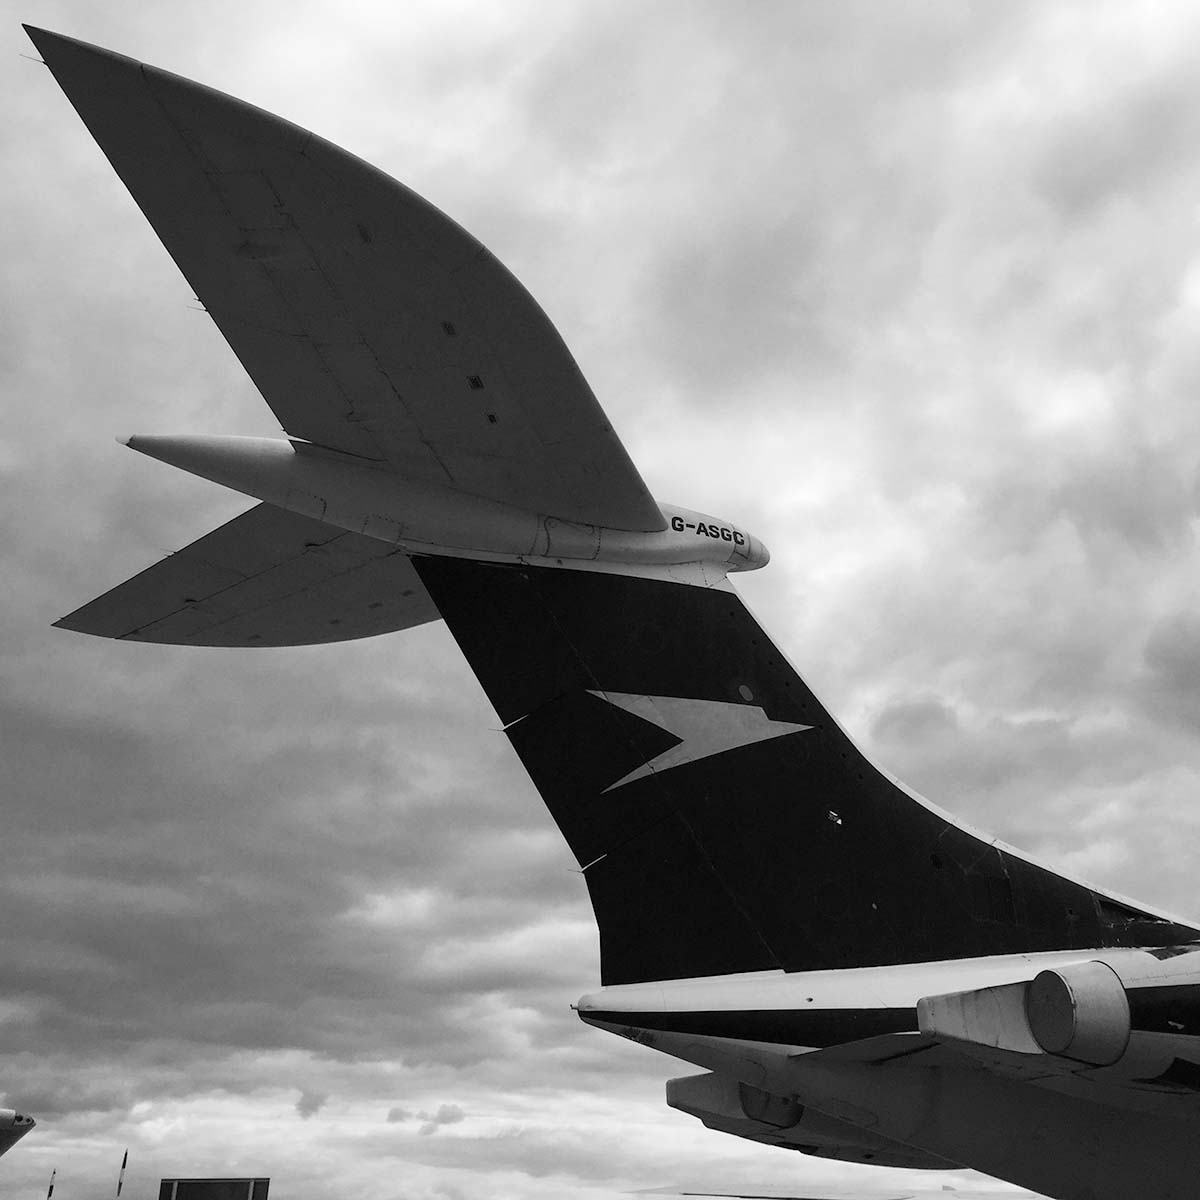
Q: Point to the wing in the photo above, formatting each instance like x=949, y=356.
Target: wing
x=370, y=322
x=266, y=578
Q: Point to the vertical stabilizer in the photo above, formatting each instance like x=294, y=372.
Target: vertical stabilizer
x=724, y=821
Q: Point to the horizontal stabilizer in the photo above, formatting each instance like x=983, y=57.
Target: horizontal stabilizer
x=266, y=578
x=371, y=322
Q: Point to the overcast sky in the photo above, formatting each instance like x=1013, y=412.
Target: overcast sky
x=911, y=291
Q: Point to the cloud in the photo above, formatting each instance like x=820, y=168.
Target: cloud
x=912, y=293
x=447, y=1114
x=310, y=1103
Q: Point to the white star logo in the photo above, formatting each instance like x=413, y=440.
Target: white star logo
x=704, y=727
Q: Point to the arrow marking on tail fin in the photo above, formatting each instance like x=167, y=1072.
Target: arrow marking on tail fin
x=704, y=728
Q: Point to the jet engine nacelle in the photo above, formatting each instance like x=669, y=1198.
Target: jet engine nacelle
x=1135, y=1011
x=1080, y=1011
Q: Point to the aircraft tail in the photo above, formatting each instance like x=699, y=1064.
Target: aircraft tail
x=723, y=820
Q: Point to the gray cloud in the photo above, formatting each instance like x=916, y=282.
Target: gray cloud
x=447, y=1114
x=909, y=292
x=310, y=1103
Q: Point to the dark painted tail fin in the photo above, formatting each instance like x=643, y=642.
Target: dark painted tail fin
x=724, y=821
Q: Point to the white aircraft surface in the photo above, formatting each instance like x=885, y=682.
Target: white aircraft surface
x=856, y=974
